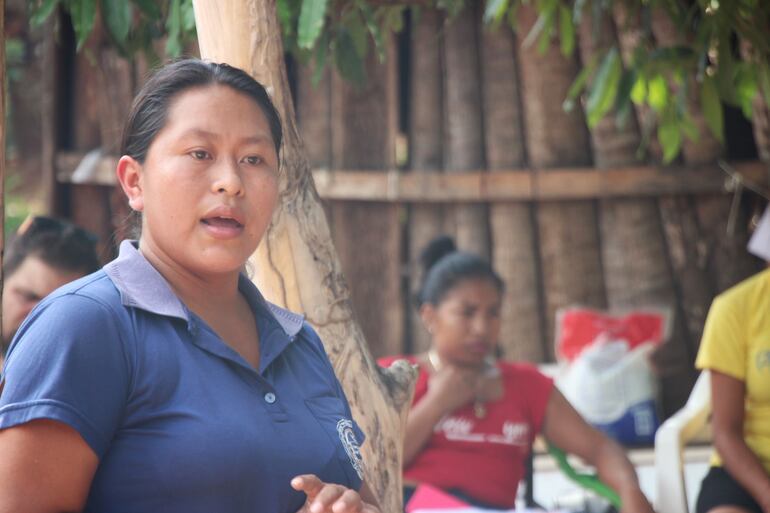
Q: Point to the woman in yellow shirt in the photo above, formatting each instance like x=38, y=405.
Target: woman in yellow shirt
x=736, y=350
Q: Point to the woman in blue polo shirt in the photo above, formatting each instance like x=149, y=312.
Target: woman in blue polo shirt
x=165, y=382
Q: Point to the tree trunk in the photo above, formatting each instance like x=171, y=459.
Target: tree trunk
x=514, y=252
x=296, y=264
x=568, y=230
x=364, y=128
x=722, y=256
x=634, y=250
x=464, y=147
x=425, y=143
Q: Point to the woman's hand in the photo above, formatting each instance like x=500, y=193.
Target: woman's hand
x=451, y=387
x=329, y=498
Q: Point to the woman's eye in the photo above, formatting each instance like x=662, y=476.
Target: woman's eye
x=253, y=160
x=199, y=154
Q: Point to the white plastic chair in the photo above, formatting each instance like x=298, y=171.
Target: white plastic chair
x=670, y=440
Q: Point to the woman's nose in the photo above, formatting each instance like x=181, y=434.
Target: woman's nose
x=227, y=179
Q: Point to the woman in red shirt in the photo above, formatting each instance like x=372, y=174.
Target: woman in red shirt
x=473, y=419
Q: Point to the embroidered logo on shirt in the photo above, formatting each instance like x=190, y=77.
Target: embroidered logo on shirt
x=352, y=448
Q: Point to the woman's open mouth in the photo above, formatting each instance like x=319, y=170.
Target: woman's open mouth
x=222, y=227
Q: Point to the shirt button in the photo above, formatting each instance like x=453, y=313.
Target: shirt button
x=269, y=398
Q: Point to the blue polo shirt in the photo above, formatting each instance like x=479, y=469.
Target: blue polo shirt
x=180, y=422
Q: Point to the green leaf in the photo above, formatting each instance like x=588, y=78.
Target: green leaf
x=83, y=13
x=494, y=11
x=639, y=90
x=117, y=17
x=689, y=129
x=42, y=12
x=726, y=73
x=670, y=139
x=174, y=29
x=577, y=11
x=188, y=16
x=149, y=8
x=311, y=21
x=657, y=93
x=566, y=31
x=374, y=30
x=357, y=30
x=712, y=108
x=625, y=86
x=746, y=87
x=319, y=64
x=604, y=88
x=349, y=63
x=578, y=85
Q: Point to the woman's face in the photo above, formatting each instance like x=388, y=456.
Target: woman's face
x=465, y=325
x=209, y=184
x=26, y=287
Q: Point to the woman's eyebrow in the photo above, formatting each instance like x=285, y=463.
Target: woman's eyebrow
x=202, y=132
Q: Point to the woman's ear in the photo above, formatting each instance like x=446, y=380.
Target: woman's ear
x=130, y=176
x=427, y=314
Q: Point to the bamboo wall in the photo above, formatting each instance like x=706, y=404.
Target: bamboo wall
x=454, y=98
x=478, y=100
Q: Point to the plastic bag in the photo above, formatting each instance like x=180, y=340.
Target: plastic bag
x=608, y=377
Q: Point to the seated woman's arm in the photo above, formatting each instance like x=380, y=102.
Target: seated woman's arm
x=566, y=429
x=728, y=400
x=45, y=467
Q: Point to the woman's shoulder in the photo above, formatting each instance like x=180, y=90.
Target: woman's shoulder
x=90, y=295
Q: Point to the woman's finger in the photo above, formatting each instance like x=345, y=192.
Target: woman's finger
x=326, y=496
x=308, y=483
x=349, y=502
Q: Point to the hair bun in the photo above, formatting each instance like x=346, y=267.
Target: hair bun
x=437, y=249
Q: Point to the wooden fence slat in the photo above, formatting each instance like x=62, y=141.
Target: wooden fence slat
x=480, y=186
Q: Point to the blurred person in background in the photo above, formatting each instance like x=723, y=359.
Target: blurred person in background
x=474, y=418
x=45, y=254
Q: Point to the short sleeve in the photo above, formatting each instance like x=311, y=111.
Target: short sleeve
x=68, y=363
x=723, y=346
x=536, y=388
x=338, y=391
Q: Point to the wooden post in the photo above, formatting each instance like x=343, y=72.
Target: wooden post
x=463, y=124
x=426, y=221
x=568, y=232
x=296, y=264
x=363, y=135
x=514, y=248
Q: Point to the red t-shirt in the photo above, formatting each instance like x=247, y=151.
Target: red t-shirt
x=485, y=457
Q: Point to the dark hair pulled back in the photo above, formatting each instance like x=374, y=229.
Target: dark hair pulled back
x=150, y=107
x=444, y=267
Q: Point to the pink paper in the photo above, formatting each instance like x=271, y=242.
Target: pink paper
x=430, y=497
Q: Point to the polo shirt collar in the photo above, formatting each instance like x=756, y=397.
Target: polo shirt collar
x=142, y=286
